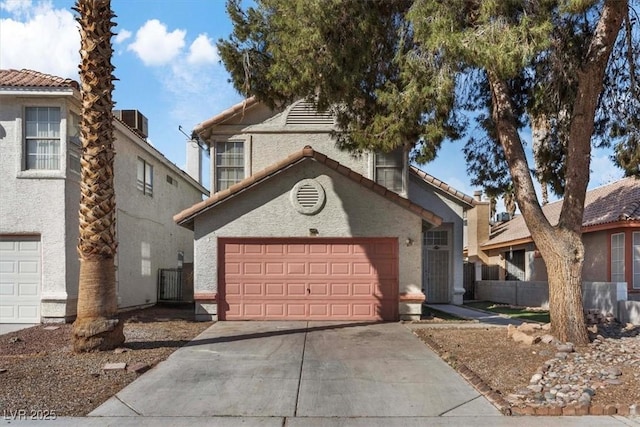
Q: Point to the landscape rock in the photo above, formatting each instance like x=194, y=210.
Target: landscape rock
x=519, y=336
x=120, y=350
x=118, y=366
x=529, y=327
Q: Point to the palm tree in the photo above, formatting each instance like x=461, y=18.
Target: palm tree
x=97, y=326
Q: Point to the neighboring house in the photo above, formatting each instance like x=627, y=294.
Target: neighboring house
x=297, y=229
x=40, y=194
x=611, y=236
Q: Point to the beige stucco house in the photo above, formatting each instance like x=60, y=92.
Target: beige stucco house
x=40, y=193
x=611, y=235
x=297, y=229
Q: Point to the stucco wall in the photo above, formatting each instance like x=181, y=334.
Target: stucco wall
x=45, y=203
x=451, y=213
x=33, y=202
x=350, y=210
x=148, y=237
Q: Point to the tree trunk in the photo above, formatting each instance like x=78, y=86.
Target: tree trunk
x=561, y=248
x=564, y=258
x=97, y=326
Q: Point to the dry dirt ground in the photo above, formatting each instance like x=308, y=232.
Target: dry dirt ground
x=507, y=366
x=39, y=372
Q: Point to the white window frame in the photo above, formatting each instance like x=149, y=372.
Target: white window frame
x=144, y=177
x=386, y=162
x=635, y=250
x=221, y=164
x=49, y=140
x=617, y=262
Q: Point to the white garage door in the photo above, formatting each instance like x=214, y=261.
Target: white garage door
x=20, y=274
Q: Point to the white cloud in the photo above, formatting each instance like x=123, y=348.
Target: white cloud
x=202, y=51
x=155, y=46
x=39, y=37
x=122, y=36
x=18, y=8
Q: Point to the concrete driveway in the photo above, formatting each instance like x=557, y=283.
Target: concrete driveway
x=298, y=370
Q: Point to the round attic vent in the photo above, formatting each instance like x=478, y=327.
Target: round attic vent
x=307, y=196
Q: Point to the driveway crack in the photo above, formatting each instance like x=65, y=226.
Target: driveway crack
x=127, y=405
x=304, y=347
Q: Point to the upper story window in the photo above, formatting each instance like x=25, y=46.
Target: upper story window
x=388, y=169
x=145, y=177
x=229, y=164
x=42, y=138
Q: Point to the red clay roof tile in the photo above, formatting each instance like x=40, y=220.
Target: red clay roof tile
x=31, y=78
x=618, y=201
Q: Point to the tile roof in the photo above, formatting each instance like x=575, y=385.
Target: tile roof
x=612, y=203
x=31, y=78
x=187, y=216
x=226, y=114
x=430, y=179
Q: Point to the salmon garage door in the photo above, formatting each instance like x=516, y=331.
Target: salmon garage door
x=308, y=279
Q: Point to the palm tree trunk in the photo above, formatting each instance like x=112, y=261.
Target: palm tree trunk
x=97, y=326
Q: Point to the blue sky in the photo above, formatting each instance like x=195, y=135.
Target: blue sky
x=169, y=69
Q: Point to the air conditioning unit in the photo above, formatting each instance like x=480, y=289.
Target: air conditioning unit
x=503, y=217
x=135, y=120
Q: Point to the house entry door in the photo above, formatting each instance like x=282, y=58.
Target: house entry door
x=437, y=266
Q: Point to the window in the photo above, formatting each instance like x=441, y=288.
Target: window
x=617, y=257
x=73, y=136
x=229, y=164
x=388, y=169
x=636, y=260
x=515, y=262
x=436, y=238
x=145, y=177
x=42, y=138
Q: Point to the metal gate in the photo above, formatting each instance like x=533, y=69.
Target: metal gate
x=169, y=284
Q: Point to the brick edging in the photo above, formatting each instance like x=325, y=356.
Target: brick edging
x=505, y=408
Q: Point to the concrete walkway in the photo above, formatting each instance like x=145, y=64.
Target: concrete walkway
x=483, y=317
x=301, y=370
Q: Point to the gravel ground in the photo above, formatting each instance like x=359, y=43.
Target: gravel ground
x=43, y=374
x=607, y=369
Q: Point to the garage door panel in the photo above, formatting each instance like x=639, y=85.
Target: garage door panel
x=340, y=268
x=277, y=310
x=296, y=268
x=252, y=289
x=252, y=268
x=272, y=268
x=340, y=289
x=296, y=309
x=310, y=279
x=20, y=276
x=318, y=268
x=296, y=289
x=275, y=289
x=7, y=289
x=233, y=289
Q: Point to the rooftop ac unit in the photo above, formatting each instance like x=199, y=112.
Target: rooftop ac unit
x=135, y=120
x=503, y=217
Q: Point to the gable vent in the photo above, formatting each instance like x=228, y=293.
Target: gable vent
x=308, y=197
x=305, y=113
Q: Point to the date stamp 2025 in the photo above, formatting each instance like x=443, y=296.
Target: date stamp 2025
x=28, y=414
